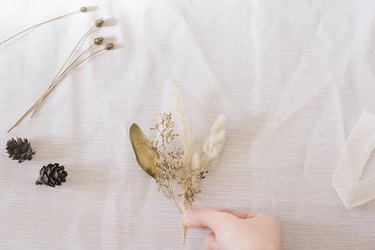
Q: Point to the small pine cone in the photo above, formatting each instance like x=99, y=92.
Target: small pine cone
x=52, y=175
x=19, y=149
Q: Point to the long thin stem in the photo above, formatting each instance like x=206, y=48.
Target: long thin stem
x=58, y=77
x=170, y=187
x=71, y=54
x=183, y=234
x=63, y=75
x=23, y=117
x=39, y=24
x=68, y=70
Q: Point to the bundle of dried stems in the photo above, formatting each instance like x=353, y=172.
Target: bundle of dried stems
x=175, y=167
x=72, y=62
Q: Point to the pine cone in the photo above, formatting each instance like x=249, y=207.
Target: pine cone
x=52, y=175
x=19, y=149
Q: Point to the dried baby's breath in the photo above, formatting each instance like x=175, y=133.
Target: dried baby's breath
x=170, y=163
x=172, y=166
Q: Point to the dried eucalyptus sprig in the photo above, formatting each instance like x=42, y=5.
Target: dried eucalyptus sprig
x=81, y=10
x=74, y=63
x=170, y=164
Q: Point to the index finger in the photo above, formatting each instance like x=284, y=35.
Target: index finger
x=239, y=213
x=204, y=217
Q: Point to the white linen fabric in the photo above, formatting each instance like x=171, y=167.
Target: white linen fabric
x=292, y=78
x=347, y=178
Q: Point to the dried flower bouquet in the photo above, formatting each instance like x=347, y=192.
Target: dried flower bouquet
x=174, y=167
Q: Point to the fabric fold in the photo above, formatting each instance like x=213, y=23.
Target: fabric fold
x=357, y=150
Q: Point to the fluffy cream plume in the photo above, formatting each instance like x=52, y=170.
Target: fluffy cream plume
x=186, y=137
x=214, y=143
x=185, y=131
x=195, y=162
x=195, y=167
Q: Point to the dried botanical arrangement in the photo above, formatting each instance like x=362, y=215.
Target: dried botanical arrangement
x=175, y=167
x=83, y=9
x=52, y=175
x=19, y=149
x=72, y=62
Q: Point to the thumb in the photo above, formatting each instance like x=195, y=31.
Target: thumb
x=203, y=217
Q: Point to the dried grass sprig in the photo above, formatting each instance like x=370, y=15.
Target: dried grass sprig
x=81, y=10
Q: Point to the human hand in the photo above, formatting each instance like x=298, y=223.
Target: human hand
x=236, y=230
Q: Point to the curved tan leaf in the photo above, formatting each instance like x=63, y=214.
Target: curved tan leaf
x=146, y=155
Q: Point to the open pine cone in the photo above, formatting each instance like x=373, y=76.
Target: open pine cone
x=52, y=175
x=19, y=149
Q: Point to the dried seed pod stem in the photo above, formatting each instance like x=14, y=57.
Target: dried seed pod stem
x=92, y=29
x=74, y=65
x=82, y=9
x=66, y=72
x=67, y=60
x=58, y=79
x=74, y=50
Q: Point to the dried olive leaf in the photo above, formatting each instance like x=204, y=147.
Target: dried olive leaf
x=146, y=154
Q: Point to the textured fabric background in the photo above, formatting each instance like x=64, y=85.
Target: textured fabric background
x=291, y=76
